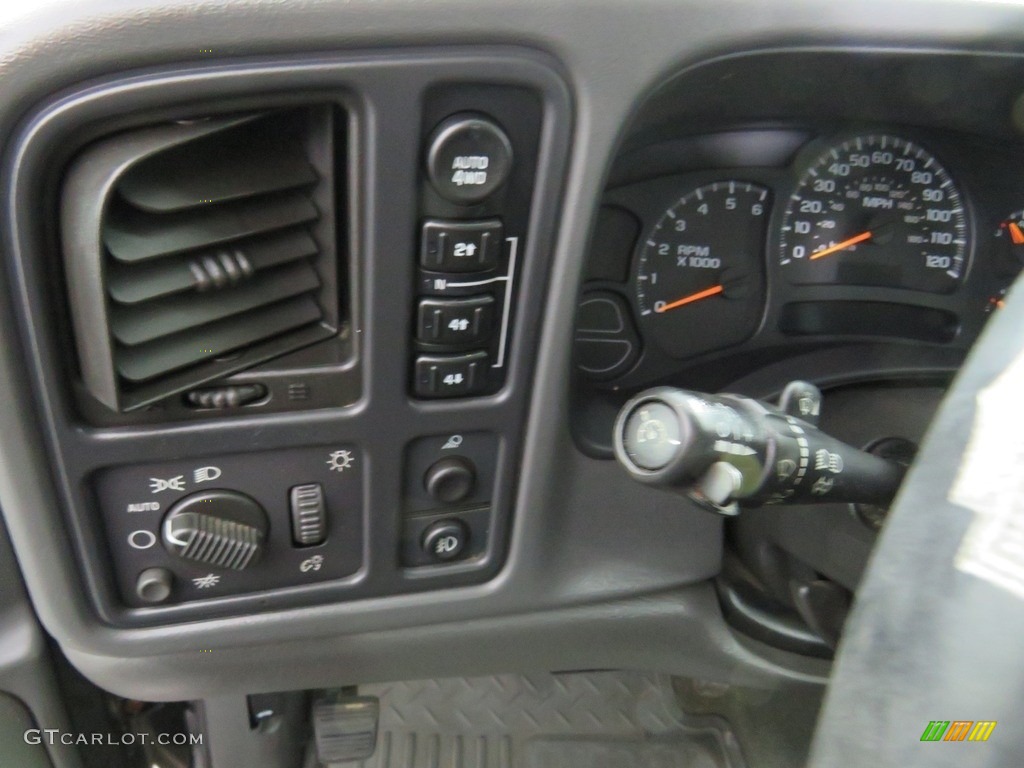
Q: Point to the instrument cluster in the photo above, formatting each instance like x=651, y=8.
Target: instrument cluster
x=838, y=237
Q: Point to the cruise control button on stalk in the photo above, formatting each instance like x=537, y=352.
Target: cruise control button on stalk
x=652, y=435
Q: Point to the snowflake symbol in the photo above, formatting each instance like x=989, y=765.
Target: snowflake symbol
x=205, y=582
x=339, y=461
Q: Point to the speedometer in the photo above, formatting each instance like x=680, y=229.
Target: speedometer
x=876, y=210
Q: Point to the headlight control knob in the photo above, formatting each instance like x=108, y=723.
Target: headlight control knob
x=223, y=529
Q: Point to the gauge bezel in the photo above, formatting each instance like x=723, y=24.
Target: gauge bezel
x=813, y=156
x=648, y=198
x=670, y=331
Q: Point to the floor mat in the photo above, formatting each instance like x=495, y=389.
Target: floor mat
x=578, y=720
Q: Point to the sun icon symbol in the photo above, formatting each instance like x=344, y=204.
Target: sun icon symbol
x=339, y=461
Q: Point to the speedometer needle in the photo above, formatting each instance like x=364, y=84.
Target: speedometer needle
x=841, y=246
x=706, y=293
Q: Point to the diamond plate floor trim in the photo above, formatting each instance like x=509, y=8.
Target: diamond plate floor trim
x=579, y=720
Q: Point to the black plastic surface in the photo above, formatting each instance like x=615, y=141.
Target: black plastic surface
x=450, y=480
x=461, y=375
x=449, y=245
x=423, y=532
x=137, y=501
x=918, y=615
x=770, y=123
x=455, y=322
x=868, y=318
x=475, y=450
x=222, y=529
x=445, y=540
x=778, y=547
x=308, y=508
x=458, y=130
x=198, y=248
x=607, y=343
x=469, y=157
x=383, y=271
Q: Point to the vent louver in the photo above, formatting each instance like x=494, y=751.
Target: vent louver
x=195, y=250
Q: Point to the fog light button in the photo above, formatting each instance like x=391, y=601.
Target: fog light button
x=445, y=540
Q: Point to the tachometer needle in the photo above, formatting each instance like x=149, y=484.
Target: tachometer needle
x=841, y=246
x=1016, y=233
x=714, y=290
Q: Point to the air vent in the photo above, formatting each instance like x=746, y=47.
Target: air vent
x=195, y=250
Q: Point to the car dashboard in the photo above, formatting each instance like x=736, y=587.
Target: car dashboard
x=318, y=319
x=750, y=239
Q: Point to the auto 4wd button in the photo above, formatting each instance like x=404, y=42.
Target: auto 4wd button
x=468, y=159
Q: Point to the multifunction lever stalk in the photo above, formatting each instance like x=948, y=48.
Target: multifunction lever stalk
x=724, y=451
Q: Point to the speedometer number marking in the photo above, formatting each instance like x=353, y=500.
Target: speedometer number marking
x=875, y=210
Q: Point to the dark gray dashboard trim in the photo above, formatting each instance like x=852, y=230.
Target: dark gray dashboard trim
x=387, y=89
x=672, y=631
x=43, y=55
x=274, y=619
x=26, y=670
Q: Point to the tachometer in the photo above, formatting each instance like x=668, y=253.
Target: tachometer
x=876, y=210
x=699, y=278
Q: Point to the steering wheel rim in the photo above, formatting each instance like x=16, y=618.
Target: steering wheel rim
x=926, y=641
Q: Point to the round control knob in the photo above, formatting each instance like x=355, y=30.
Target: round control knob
x=450, y=480
x=445, y=540
x=223, y=529
x=651, y=435
x=154, y=585
x=469, y=158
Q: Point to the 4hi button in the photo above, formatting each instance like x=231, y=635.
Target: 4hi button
x=469, y=158
x=445, y=540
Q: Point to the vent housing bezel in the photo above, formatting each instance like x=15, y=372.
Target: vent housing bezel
x=288, y=365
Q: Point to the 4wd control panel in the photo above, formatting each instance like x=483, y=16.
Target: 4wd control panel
x=478, y=173
x=377, y=462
